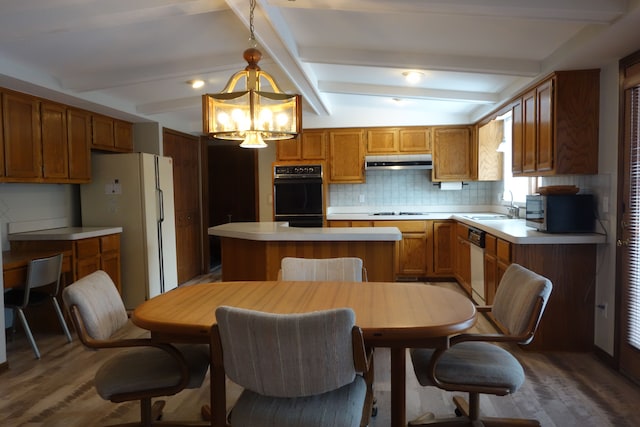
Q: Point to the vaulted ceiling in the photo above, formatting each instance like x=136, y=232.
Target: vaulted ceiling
x=133, y=58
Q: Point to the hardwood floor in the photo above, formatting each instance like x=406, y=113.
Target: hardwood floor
x=562, y=389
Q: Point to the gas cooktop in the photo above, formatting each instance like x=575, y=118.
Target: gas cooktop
x=399, y=213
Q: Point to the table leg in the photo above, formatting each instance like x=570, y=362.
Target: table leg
x=216, y=410
x=398, y=391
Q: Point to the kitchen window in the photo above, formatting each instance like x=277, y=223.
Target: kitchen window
x=515, y=188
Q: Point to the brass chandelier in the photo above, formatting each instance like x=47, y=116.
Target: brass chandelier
x=251, y=115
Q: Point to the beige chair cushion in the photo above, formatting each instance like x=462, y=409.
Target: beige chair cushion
x=287, y=355
x=100, y=305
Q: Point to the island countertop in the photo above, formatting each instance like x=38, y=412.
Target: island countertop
x=281, y=231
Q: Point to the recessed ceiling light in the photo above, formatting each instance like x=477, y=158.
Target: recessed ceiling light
x=196, y=84
x=413, y=77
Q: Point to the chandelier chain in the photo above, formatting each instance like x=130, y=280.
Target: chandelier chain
x=252, y=6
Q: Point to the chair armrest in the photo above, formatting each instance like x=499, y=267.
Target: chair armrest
x=360, y=356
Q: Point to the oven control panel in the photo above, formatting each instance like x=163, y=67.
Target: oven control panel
x=297, y=171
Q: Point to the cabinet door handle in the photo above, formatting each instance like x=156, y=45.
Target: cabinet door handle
x=624, y=242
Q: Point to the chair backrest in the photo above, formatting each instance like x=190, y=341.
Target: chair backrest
x=287, y=355
x=520, y=301
x=347, y=269
x=43, y=272
x=98, y=303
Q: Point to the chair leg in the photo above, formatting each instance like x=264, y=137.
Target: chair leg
x=27, y=330
x=56, y=306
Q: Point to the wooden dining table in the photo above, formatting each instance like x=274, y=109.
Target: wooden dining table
x=393, y=315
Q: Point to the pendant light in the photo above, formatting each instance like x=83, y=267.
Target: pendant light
x=250, y=114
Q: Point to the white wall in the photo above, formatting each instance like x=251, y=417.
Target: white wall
x=28, y=202
x=266, y=157
x=608, y=167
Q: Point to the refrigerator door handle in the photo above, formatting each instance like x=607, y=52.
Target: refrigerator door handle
x=161, y=205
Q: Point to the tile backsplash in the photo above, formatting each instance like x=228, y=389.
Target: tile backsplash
x=415, y=188
x=410, y=187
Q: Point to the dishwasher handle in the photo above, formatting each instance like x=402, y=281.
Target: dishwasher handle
x=476, y=237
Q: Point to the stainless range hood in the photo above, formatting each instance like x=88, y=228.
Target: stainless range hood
x=398, y=162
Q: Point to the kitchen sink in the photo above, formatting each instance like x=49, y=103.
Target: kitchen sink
x=487, y=216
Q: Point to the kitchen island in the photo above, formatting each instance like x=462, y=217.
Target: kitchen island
x=253, y=250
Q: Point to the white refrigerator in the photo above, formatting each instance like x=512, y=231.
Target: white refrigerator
x=135, y=191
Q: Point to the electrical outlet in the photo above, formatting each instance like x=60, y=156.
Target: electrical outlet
x=361, y=198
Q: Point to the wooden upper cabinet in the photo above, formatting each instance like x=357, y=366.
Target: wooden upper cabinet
x=453, y=154
x=516, y=138
x=314, y=145
x=382, y=141
x=1, y=137
x=79, y=144
x=55, y=153
x=404, y=140
x=111, y=134
x=346, y=156
x=289, y=149
x=544, y=126
x=490, y=160
x=309, y=145
x=415, y=140
x=557, y=126
x=529, y=132
x=123, y=135
x=103, y=133
x=22, y=139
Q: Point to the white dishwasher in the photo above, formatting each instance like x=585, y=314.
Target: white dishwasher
x=476, y=237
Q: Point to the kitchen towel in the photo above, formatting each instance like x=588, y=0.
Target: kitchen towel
x=457, y=185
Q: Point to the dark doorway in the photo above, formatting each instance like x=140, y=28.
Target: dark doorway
x=233, y=188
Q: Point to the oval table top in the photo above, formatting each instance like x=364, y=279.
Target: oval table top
x=388, y=313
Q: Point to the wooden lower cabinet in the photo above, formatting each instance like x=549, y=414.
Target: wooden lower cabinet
x=244, y=259
x=443, y=243
x=497, y=257
x=413, y=252
x=568, y=321
x=426, y=249
x=87, y=255
x=462, y=270
x=110, y=258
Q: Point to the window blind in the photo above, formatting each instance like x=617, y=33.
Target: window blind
x=633, y=227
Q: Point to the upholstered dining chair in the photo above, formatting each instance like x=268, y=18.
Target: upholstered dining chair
x=296, y=369
x=42, y=284
x=475, y=365
x=142, y=369
x=345, y=269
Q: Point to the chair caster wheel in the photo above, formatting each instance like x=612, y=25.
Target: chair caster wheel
x=458, y=412
x=374, y=411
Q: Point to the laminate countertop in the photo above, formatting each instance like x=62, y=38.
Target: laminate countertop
x=512, y=230
x=65, y=233
x=280, y=231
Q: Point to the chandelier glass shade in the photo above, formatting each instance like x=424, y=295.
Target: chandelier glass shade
x=245, y=112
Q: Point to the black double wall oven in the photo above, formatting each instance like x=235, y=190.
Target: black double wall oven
x=298, y=194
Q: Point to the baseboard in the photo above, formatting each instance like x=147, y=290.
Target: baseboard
x=606, y=358
x=4, y=367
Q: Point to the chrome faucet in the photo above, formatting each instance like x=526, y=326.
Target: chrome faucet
x=513, y=211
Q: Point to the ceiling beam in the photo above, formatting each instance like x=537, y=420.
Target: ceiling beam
x=408, y=92
x=92, y=15
x=587, y=11
x=468, y=64
x=269, y=27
